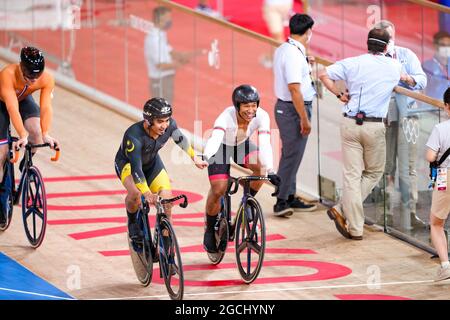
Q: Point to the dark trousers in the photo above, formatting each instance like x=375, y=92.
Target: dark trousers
x=293, y=145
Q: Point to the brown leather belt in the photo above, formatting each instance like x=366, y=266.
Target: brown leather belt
x=369, y=119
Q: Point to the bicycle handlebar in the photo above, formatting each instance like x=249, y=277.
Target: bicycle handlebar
x=235, y=181
x=31, y=146
x=184, y=204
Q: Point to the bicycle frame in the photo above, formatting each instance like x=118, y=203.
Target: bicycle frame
x=28, y=163
x=246, y=195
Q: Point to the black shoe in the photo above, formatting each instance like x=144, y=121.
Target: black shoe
x=298, y=205
x=134, y=231
x=209, y=241
x=282, y=209
x=209, y=238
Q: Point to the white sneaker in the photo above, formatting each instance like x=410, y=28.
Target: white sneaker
x=442, y=274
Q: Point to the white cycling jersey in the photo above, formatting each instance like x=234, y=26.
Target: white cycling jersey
x=226, y=132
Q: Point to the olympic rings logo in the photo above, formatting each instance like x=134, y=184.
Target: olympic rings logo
x=411, y=129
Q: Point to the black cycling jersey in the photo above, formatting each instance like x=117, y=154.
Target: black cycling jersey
x=141, y=150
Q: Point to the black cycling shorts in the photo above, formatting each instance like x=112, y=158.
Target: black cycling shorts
x=28, y=108
x=219, y=164
x=156, y=174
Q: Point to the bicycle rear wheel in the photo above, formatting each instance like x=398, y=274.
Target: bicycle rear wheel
x=250, y=240
x=170, y=262
x=34, y=207
x=6, y=198
x=141, y=253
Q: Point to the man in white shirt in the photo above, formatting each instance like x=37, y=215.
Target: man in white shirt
x=370, y=79
x=438, y=143
x=295, y=92
x=399, y=144
x=231, y=139
x=162, y=60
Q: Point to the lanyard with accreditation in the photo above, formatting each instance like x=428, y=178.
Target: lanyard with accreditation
x=439, y=175
x=290, y=41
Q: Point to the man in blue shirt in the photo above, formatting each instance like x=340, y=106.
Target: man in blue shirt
x=401, y=141
x=370, y=79
x=437, y=69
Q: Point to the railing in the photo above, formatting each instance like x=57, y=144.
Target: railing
x=105, y=52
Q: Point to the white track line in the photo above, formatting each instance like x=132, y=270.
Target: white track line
x=35, y=294
x=280, y=289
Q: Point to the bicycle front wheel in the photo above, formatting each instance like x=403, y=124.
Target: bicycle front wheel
x=250, y=240
x=170, y=261
x=6, y=198
x=141, y=253
x=34, y=207
x=221, y=235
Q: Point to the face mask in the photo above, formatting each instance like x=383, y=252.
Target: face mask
x=167, y=25
x=444, y=52
x=391, y=47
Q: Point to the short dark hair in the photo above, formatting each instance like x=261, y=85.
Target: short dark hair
x=447, y=96
x=377, y=40
x=300, y=23
x=440, y=35
x=158, y=12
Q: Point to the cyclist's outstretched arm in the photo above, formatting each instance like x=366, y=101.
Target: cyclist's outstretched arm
x=183, y=142
x=46, y=108
x=12, y=104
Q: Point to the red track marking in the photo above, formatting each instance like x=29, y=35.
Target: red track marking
x=86, y=207
x=199, y=248
x=192, y=197
x=368, y=297
x=98, y=233
x=87, y=221
x=115, y=219
x=324, y=271
x=116, y=230
x=81, y=178
x=85, y=194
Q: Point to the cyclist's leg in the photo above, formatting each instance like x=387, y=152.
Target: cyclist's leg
x=30, y=113
x=159, y=182
x=218, y=173
x=247, y=156
x=4, y=124
x=132, y=199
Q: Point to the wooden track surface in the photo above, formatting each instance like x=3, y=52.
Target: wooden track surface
x=86, y=237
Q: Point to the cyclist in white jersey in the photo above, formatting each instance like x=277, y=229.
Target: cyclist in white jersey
x=231, y=139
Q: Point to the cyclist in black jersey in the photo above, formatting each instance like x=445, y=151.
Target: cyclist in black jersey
x=138, y=164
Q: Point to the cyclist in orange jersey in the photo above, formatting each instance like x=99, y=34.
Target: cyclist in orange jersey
x=31, y=121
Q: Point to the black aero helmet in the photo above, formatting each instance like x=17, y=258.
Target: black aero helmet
x=32, y=62
x=157, y=108
x=245, y=94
